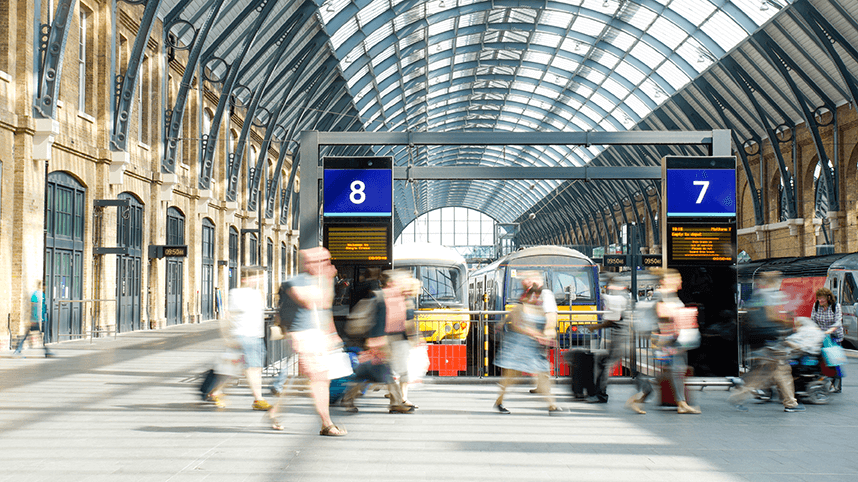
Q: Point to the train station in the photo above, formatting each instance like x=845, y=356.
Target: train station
x=157, y=154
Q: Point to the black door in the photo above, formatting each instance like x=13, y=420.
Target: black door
x=207, y=285
x=269, y=266
x=175, y=267
x=233, y=258
x=129, y=233
x=64, y=217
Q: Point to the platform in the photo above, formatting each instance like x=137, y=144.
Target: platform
x=126, y=409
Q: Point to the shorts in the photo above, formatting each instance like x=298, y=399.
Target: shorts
x=254, y=351
x=312, y=348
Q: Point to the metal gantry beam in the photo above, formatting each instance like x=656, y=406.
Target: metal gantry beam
x=718, y=141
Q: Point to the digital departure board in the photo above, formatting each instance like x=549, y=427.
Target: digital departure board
x=698, y=244
x=358, y=244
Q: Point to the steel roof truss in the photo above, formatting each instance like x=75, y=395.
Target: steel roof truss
x=173, y=118
x=52, y=48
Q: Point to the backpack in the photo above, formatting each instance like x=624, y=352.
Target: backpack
x=287, y=309
x=362, y=316
x=645, y=318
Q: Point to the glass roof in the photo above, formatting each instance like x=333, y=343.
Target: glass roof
x=568, y=65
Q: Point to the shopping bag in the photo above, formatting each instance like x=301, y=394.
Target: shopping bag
x=418, y=362
x=833, y=353
x=339, y=364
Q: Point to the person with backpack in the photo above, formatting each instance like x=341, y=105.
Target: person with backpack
x=305, y=309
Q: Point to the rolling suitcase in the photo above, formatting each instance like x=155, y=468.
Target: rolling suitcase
x=581, y=364
x=665, y=384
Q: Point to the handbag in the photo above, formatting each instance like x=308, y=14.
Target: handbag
x=339, y=364
x=418, y=362
x=833, y=353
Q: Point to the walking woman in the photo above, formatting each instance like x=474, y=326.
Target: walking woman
x=671, y=314
x=521, y=349
x=826, y=313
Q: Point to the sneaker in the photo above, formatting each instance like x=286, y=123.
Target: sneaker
x=555, y=410
x=276, y=391
x=500, y=408
x=797, y=408
x=597, y=399
x=401, y=409
x=261, y=405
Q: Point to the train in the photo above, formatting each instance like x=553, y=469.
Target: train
x=802, y=276
x=443, y=274
x=569, y=274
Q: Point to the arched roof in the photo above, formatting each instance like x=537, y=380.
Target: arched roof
x=757, y=67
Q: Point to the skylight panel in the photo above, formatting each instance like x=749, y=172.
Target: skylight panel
x=602, y=102
x=545, y=91
x=418, y=72
x=647, y=55
x=564, y=63
x=673, y=75
x=617, y=89
x=724, y=30
x=465, y=40
x=524, y=86
x=667, y=33
x=378, y=35
x=413, y=38
x=588, y=26
x=639, y=18
x=344, y=33
x=589, y=112
x=541, y=58
x=752, y=9
x=695, y=11
x=436, y=28
x=530, y=73
x=608, y=126
x=620, y=39
x=582, y=90
x=695, y=54
x=458, y=74
x=385, y=54
x=354, y=79
x=638, y=106
x=653, y=91
x=556, y=19
x=523, y=15
x=547, y=39
x=407, y=18
x=471, y=19
x=605, y=58
x=630, y=73
x=593, y=75
x=513, y=37
x=373, y=10
x=582, y=123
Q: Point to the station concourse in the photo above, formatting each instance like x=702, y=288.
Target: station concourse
x=151, y=151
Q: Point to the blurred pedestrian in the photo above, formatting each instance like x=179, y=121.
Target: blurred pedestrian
x=673, y=316
x=768, y=325
x=522, y=348
x=827, y=315
x=385, y=347
x=615, y=301
x=313, y=333
x=38, y=320
x=245, y=332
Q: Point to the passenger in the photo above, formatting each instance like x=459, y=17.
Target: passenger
x=772, y=359
x=38, y=321
x=386, y=346
x=245, y=331
x=549, y=306
x=522, y=346
x=312, y=330
x=672, y=317
x=615, y=301
x=410, y=290
x=827, y=315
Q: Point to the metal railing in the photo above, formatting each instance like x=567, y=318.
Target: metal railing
x=94, y=329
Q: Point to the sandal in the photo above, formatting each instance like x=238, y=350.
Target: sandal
x=275, y=425
x=332, y=431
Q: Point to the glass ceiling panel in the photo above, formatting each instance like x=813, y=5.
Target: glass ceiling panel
x=695, y=11
x=724, y=30
x=668, y=33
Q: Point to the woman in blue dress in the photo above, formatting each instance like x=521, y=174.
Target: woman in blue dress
x=523, y=346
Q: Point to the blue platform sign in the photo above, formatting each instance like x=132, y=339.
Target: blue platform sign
x=701, y=192
x=358, y=193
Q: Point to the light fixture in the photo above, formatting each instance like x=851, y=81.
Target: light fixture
x=330, y=7
x=701, y=59
x=764, y=5
x=441, y=4
x=605, y=4
x=577, y=46
x=438, y=47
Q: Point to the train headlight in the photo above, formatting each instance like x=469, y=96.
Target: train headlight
x=457, y=326
x=448, y=328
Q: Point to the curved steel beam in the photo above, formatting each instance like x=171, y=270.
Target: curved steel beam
x=52, y=48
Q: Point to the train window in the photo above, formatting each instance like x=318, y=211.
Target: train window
x=573, y=280
x=440, y=285
x=849, y=290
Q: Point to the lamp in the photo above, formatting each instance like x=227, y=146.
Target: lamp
x=330, y=7
x=764, y=5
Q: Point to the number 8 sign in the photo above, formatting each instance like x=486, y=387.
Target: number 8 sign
x=358, y=192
